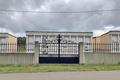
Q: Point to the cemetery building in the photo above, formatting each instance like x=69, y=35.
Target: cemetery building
x=109, y=41
x=67, y=37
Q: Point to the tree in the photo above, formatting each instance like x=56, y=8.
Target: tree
x=21, y=44
x=21, y=40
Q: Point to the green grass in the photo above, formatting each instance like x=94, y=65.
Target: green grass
x=55, y=68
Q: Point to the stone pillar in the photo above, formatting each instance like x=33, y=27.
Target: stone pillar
x=81, y=53
x=37, y=51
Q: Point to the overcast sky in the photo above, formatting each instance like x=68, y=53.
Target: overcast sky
x=17, y=23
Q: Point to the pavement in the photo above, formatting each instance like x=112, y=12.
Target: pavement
x=94, y=75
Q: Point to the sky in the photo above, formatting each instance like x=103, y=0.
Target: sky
x=18, y=22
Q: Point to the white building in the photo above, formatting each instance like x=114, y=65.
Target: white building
x=8, y=43
x=111, y=39
x=42, y=36
x=66, y=37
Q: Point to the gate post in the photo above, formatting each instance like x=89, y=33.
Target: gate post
x=81, y=53
x=36, y=56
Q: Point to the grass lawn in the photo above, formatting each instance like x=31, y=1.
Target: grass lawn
x=55, y=68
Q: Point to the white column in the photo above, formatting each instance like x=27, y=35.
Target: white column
x=81, y=53
x=36, y=54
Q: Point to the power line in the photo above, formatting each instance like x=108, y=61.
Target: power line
x=61, y=12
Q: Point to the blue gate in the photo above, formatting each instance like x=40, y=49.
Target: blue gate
x=61, y=53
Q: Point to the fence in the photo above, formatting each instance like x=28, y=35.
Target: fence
x=16, y=48
x=66, y=48
x=55, y=48
x=59, y=53
x=102, y=58
x=18, y=54
x=102, y=47
x=88, y=53
x=17, y=58
x=101, y=53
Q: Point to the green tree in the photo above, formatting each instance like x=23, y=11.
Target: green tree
x=21, y=44
x=21, y=40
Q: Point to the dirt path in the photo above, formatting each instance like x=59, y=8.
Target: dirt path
x=102, y=75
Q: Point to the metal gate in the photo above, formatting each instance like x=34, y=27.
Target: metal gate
x=59, y=53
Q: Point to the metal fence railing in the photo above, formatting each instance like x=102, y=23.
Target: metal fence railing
x=55, y=48
x=102, y=47
x=65, y=48
x=13, y=48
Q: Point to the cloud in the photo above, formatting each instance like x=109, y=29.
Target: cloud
x=4, y=30
x=105, y=29
x=18, y=23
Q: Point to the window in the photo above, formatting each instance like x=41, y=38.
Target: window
x=114, y=38
x=4, y=40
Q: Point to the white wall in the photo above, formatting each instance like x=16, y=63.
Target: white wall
x=102, y=58
x=17, y=58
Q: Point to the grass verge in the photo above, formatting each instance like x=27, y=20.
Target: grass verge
x=55, y=68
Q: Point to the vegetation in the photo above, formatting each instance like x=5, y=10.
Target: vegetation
x=21, y=44
x=55, y=68
x=21, y=40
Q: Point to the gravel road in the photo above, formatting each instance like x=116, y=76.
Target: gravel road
x=94, y=75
